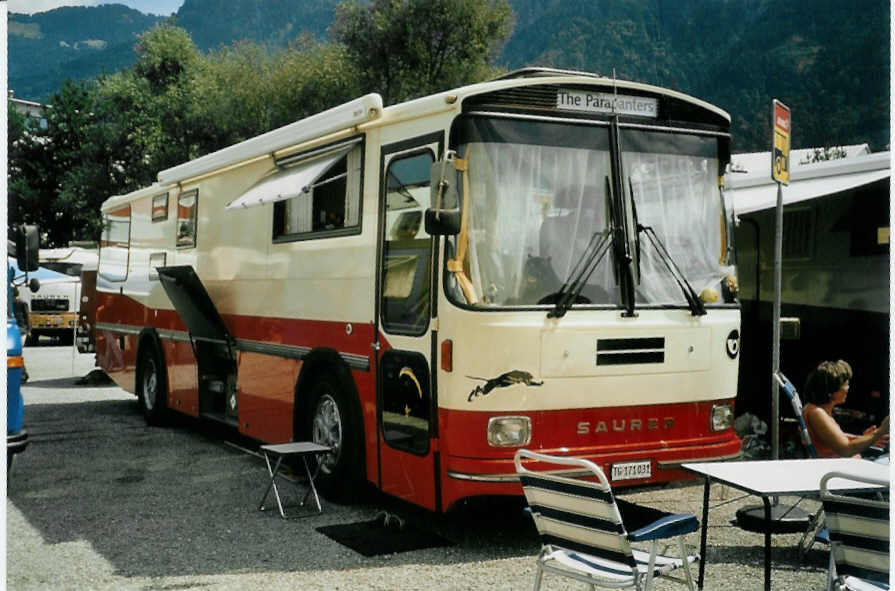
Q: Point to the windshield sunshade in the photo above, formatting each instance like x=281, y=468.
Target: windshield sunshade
x=289, y=183
x=674, y=180
x=537, y=198
x=539, y=204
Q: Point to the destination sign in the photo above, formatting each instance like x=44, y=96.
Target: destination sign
x=607, y=103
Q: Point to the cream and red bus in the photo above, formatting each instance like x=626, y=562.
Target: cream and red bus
x=541, y=260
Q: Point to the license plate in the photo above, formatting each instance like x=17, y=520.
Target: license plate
x=632, y=470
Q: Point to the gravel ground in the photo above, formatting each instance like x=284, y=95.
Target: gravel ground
x=101, y=501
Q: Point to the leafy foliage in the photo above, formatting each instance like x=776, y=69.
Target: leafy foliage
x=407, y=48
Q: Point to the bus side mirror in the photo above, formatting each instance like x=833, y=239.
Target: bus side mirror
x=34, y=285
x=27, y=247
x=443, y=218
x=442, y=223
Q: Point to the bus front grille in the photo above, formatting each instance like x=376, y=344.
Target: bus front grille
x=630, y=351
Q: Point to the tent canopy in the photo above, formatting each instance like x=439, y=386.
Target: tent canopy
x=750, y=186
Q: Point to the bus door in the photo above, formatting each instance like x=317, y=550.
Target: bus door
x=406, y=405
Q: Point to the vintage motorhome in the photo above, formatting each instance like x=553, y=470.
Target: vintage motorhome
x=541, y=260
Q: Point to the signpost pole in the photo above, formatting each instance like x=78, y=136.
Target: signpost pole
x=782, y=125
x=778, y=281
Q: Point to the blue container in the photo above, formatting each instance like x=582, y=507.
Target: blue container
x=16, y=436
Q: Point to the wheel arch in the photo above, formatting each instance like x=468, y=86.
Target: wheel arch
x=325, y=361
x=321, y=361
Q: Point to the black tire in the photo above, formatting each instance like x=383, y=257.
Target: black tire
x=334, y=421
x=152, y=384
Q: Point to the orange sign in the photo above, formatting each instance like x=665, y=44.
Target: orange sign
x=782, y=123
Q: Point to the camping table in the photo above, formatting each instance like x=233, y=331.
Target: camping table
x=302, y=449
x=771, y=478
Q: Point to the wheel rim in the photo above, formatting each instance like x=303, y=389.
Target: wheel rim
x=327, y=430
x=150, y=384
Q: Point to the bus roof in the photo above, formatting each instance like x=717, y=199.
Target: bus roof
x=367, y=111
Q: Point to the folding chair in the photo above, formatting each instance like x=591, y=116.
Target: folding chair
x=816, y=531
x=793, y=396
x=586, y=533
x=859, y=537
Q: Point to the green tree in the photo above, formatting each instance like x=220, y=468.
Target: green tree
x=311, y=77
x=41, y=160
x=408, y=48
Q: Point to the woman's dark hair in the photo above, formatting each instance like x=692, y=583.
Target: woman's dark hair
x=826, y=379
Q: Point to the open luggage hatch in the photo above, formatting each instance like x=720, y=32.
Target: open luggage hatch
x=212, y=343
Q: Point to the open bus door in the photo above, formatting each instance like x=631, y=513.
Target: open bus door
x=406, y=401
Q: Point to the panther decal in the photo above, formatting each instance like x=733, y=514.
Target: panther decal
x=502, y=381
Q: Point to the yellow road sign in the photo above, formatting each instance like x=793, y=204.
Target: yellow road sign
x=782, y=122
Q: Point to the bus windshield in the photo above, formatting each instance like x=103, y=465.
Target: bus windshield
x=539, y=197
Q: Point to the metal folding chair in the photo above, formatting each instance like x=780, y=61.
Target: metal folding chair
x=859, y=537
x=586, y=533
x=816, y=531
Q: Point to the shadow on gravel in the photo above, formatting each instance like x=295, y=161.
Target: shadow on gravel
x=180, y=501
x=784, y=558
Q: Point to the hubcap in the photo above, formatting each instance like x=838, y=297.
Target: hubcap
x=150, y=384
x=327, y=430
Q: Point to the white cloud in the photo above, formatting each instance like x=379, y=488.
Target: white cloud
x=161, y=7
x=32, y=6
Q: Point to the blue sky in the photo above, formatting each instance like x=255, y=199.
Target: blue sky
x=162, y=7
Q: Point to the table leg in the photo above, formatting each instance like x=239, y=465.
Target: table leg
x=767, y=543
x=311, y=488
x=272, y=484
x=704, y=534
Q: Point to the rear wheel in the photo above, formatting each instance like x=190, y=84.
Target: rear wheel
x=152, y=386
x=334, y=422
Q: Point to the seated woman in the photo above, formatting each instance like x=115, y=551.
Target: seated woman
x=826, y=387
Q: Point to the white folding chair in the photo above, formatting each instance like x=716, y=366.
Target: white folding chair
x=859, y=537
x=586, y=533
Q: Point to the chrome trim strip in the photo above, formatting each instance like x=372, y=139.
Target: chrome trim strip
x=672, y=464
x=120, y=328
x=179, y=336
x=512, y=477
x=275, y=349
x=354, y=361
x=664, y=465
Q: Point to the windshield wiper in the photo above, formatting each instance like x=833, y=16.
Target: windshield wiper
x=581, y=272
x=697, y=308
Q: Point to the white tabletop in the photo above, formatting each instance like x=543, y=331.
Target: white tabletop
x=295, y=448
x=782, y=477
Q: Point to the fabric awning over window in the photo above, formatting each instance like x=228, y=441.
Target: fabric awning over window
x=290, y=182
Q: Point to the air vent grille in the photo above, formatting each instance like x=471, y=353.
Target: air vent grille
x=630, y=351
x=523, y=97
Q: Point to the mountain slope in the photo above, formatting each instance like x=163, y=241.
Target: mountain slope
x=76, y=42
x=829, y=61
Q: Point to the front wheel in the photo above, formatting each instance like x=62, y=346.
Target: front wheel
x=334, y=422
x=152, y=386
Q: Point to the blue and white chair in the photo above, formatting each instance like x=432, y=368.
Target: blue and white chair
x=859, y=537
x=796, y=402
x=586, y=533
x=816, y=531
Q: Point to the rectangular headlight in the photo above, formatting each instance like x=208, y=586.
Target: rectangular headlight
x=722, y=417
x=509, y=431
